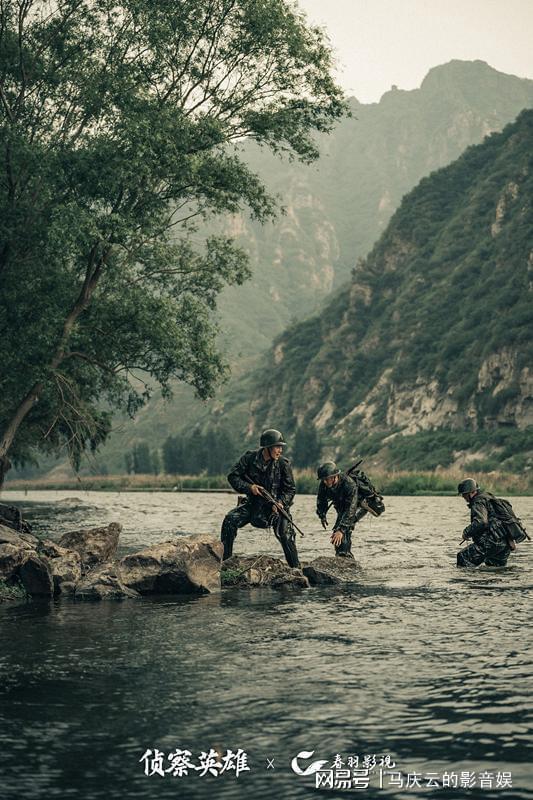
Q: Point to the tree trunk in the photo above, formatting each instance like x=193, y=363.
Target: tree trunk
x=32, y=397
x=10, y=432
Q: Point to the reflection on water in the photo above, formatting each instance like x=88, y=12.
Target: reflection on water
x=418, y=660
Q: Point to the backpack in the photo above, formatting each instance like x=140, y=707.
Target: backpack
x=369, y=497
x=512, y=525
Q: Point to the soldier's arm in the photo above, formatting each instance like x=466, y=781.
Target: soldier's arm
x=236, y=476
x=322, y=501
x=288, y=486
x=479, y=516
x=349, y=515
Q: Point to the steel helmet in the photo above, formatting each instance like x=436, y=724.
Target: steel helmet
x=467, y=485
x=271, y=438
x=327, y=470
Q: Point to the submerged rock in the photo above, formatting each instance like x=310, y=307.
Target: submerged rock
x=327, y=571
x=251, y=571
x=185, y=565
x=95, y=545
x=103, y=582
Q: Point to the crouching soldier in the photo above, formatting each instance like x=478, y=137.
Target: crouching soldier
x=494, y=528
x=265, y=468
x=338, y=489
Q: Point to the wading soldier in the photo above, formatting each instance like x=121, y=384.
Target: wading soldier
x=494, y=528
x=338, y=489
x=269, y=469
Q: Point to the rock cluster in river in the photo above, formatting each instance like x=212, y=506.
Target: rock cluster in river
x=83, y=564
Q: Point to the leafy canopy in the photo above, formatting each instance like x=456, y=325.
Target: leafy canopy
x=121, y=127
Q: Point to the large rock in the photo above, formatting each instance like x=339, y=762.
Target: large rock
x=11, y=517
x=185, y=565
x=326, y=571
x=19, y=539
x=11, y=558
x=95, y=545
x=65, y=566
x=104, y=582
x=251, y=571
x=36, y=576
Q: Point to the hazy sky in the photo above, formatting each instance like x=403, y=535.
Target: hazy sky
x=384, y=42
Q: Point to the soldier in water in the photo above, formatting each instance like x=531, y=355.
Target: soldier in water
x=341, y=491
x=266, y=468
x=494, y=528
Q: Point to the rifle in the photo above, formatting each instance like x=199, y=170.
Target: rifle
x=268, y=496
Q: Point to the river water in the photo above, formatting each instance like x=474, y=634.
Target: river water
x=424, y=667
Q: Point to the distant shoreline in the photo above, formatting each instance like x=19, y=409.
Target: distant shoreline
x=388, y=483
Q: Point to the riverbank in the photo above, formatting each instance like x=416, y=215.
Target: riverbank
x=389, y=483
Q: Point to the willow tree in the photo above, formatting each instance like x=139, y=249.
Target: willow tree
x=122, y=123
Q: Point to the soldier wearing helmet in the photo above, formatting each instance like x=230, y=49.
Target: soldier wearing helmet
x=340, y=490
x=490, y=543
x=267, y=468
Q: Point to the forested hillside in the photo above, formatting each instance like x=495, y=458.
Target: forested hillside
x=427, y=352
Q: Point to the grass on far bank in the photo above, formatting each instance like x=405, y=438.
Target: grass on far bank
x=388, y=483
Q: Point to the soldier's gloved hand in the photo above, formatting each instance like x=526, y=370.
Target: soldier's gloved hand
x=324, y=521
x=336, y=538
x=466, y=532
x=255, y=489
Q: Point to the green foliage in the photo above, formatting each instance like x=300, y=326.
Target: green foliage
x=307, y=447
x=141, y=460
x=210, y=453
x=121, y=126
x=231, y=577
x=12, y=591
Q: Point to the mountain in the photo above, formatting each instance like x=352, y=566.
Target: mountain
x=426, y=356
x=335, y=210
x=338, y=207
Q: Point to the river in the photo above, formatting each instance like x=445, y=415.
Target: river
x=419, y=667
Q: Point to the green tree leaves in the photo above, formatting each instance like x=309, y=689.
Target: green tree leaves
x=121, y=125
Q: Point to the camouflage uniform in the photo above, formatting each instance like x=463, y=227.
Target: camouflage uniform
x=277, y=478
x=490, y=544
x=344, y=496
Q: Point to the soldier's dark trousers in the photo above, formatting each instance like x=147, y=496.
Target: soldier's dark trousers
x=345, y=548
x=491, y=547
x=244, y=515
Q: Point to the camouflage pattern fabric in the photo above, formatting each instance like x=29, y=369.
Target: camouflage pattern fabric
x=277, y=478
x=489, y=543
x=344, y=497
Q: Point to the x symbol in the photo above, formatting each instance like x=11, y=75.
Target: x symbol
x=270, y=764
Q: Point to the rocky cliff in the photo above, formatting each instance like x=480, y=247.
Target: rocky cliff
x=430, y=342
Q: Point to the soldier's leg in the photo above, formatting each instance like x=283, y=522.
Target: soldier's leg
x=286, y=535
x=471, y=556
x=345, y=548
x=499, y=560
x=235, y=519
x=497, y=550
